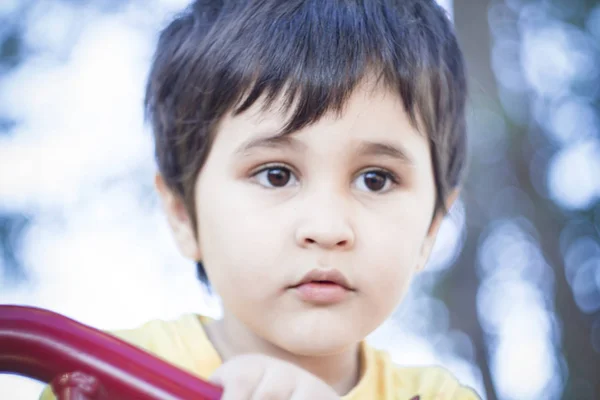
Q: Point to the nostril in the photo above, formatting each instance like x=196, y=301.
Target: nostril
x=341, y=243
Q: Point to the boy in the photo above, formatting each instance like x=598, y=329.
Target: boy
x=307, y=151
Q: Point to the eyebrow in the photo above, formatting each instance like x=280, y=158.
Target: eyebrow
x=278, y=141
x=282, y=141
x=384, y=149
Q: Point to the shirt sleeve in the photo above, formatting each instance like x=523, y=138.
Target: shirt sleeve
x=434, y=383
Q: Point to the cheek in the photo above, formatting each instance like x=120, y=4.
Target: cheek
x=239, y=242
x=392, y=249
x=389, y=269
x=385, y=281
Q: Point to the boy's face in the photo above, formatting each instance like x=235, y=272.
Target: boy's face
x=352, y=193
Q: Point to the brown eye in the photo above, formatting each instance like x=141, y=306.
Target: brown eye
x=375, y=181
x=275, y=177
x=278, y=177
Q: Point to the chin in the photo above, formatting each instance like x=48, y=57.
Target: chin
x=317, y=342
x=316, y=348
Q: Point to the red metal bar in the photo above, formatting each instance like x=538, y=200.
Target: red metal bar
x=43, y=345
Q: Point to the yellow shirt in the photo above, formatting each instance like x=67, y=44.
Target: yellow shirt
x=184, y=343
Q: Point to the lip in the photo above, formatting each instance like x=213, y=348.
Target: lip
x=325, y=276
x=323, y=287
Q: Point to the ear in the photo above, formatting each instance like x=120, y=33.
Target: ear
x=179, y=220
x=434, y=228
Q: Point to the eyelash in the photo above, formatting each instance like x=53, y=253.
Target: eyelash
x=393, y=178
x=388, y=174
x=266, y=167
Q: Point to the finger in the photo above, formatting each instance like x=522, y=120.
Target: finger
x=237, y=369
x=275, y=384
x=236, y=392
x=238, y=379
x=238, y=387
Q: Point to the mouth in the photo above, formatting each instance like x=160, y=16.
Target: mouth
x=323, y=287
x=326, y=277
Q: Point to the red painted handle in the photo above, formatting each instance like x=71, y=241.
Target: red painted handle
x=44, y=345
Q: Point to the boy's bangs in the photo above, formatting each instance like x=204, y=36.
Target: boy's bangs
x=303, y=99
x=313, y=54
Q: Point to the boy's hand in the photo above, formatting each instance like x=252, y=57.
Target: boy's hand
x=259, y=377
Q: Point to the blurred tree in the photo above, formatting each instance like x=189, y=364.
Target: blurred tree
x=461, y=285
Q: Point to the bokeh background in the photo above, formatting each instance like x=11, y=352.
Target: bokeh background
x=511, y=299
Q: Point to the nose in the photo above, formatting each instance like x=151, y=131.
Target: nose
x=326, y=224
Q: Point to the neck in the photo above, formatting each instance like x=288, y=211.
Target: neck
x=231, y=338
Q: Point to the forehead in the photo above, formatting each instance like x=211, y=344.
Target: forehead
x=371, y=114
x=371, y=106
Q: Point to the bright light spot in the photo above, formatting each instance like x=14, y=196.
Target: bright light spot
x=83, y=121
x=573, y=175
x=7, y=7
x=512, y=309
x=565, y=47
x=586, y=286
x=104, y=247
x=578, y=253
x=524, y=368
x=572, y=120
x=527, y=313
x=523, y=360
x=175, y=4
x=507, y=249
x=51, y=25
x=494, y=308
x=448, y=6
x=450, y=239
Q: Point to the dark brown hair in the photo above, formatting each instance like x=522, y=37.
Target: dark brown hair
x=220, y=56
